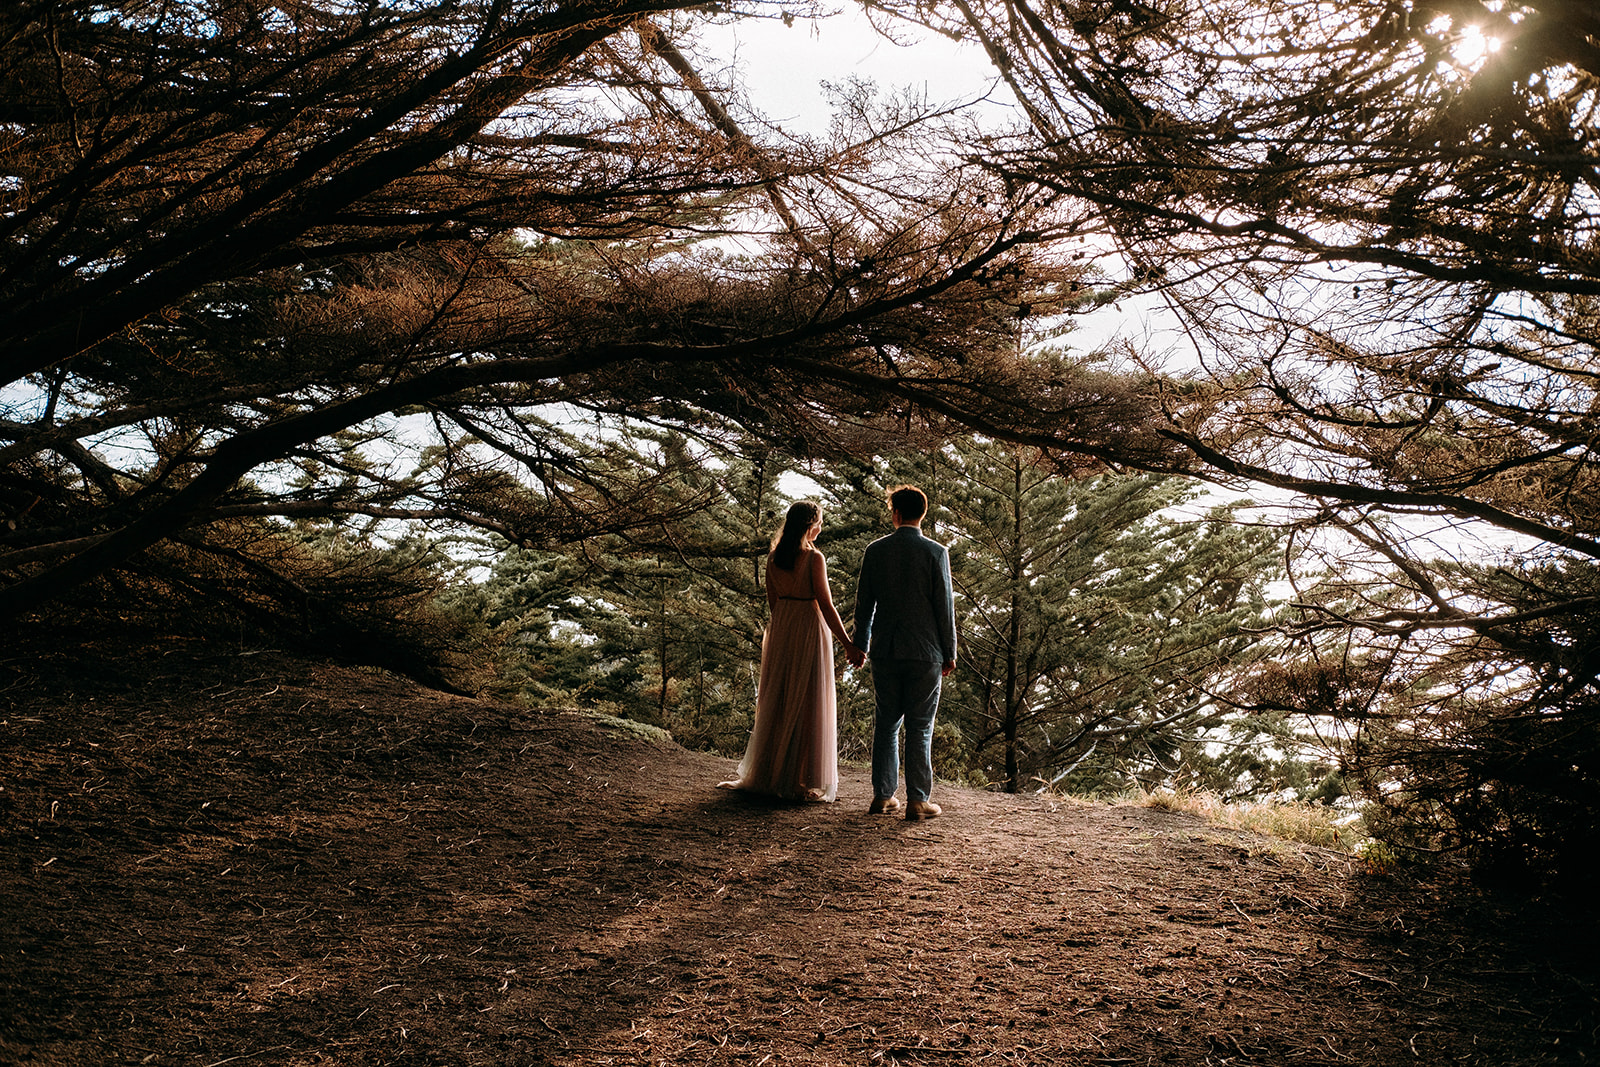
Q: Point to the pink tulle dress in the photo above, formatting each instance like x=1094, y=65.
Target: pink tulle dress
x=793, y=749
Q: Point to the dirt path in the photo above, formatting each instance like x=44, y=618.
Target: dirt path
x=251, y=860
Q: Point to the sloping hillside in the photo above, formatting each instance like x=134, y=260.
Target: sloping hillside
x=249, y=859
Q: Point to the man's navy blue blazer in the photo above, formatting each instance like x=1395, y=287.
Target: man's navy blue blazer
x=905, y=606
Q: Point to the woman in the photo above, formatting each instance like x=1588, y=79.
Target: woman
x=792, y=751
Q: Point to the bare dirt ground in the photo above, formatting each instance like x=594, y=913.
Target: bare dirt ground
x=251, y=859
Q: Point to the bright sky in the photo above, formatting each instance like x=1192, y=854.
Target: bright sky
x=784, y=69
x=784, y=66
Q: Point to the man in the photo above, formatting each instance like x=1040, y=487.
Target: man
x=906, y=623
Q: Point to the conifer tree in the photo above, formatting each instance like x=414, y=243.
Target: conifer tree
x=663, y=625
x=1099, y=628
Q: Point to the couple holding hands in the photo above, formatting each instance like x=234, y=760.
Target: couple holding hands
x=904, y=622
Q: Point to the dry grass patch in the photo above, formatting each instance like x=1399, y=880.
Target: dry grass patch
x=1309, y=824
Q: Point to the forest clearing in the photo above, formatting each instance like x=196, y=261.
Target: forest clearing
x=1248, y=352
x=257, y=859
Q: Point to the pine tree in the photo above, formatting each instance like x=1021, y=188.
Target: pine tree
x=663, y=625
x=1097, y=626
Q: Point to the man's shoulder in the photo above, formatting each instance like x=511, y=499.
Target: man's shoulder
x=905, y=539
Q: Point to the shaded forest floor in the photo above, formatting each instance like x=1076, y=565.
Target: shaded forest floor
x=252, y=859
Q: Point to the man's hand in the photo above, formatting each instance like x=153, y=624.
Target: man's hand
x=949, y=665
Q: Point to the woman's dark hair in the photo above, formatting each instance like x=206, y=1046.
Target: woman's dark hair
x=787, y=543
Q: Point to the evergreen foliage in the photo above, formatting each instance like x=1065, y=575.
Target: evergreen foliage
x=1101, y=629
x=1101, y=636
x=263, y=266
x=663, y=626
x=1374, y=223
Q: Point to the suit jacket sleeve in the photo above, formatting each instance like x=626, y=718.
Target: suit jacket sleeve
x=866, y=602
x=947, y=623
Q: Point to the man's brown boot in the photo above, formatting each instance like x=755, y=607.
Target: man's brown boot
x=922, y=809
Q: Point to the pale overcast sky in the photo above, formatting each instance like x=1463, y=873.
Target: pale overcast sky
x=784, y=66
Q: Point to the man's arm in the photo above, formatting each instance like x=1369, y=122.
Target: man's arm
x=866, y=603
x=947, y=621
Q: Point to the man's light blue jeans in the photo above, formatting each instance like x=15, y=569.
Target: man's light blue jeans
x=907, y=690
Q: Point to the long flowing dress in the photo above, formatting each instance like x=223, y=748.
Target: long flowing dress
x=793, y=750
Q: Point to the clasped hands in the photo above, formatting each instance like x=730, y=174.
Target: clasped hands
x=853, y=655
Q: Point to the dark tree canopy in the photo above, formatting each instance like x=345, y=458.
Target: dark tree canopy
x=309, y=260
x=248, y=248
x=1375, y=223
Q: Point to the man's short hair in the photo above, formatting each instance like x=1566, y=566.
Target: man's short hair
x=910, y=502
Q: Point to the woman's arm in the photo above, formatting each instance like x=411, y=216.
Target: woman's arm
x=830, y=614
